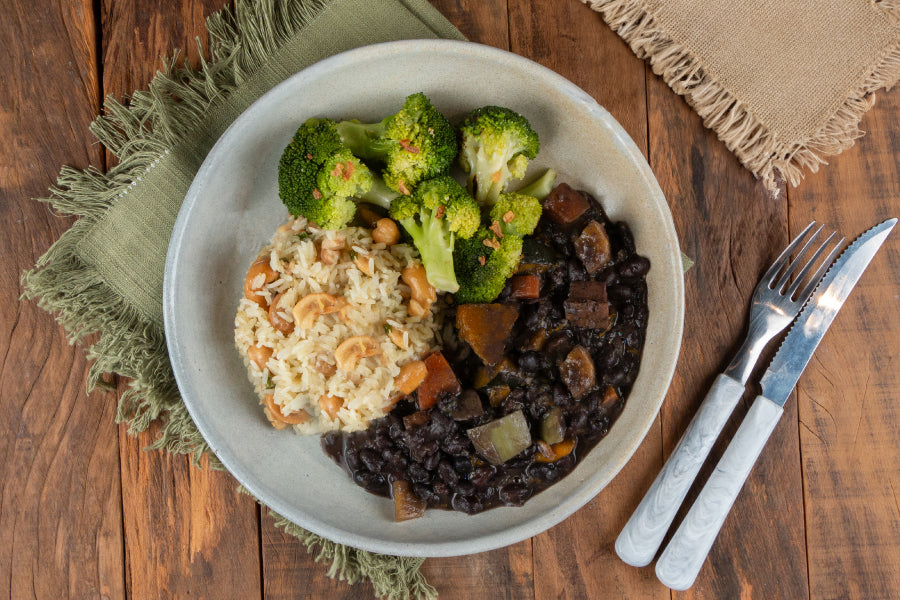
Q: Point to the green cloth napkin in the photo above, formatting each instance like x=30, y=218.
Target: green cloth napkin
x=105, y=274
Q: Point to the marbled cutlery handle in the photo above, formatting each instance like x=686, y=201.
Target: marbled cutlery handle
x=681, y=560
x=644, y=532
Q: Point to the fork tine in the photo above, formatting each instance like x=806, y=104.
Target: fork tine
x=826, y=264
x=792, y=267
x=801, y=276
x=782, y=259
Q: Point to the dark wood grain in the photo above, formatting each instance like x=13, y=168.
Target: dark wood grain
x=849, y=417
x=576, y=558
x=60, y=503
x=733, y=229
x=188, y=532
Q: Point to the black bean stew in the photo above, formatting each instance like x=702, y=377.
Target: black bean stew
x=579, y=315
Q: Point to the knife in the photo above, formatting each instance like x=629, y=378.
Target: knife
x=682, y=559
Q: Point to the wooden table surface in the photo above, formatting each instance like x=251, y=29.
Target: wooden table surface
x=86, y=513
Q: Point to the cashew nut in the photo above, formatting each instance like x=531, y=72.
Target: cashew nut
x=364, y=263
x=330, y=405
x=311, y=306
x=330, y=250
x=273, y=412
x=398, y=336
x=423, y=294
x=259, y=274
x=386, y=232
x=277, y=317
x=324, y=367
x=348, y=353
x=410, y=377
x=260, y=355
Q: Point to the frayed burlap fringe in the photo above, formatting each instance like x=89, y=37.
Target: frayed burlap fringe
x=756, y=146
x=155, y=120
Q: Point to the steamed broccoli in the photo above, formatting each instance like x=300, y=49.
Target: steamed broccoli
x=414, y=144
x=483, y=263
x=541, y=187
x=317, y=176
x=515, y=214
x=496, y=145
x=439, y=211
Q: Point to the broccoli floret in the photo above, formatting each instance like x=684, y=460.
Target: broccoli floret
x=496, y=145
x=439, y=211
x=516, y=214
x=317, y=176
x=483, y=263
x=379, y=194
x=415, y=144
x=541, y=187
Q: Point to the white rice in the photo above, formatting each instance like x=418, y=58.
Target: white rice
x=374, y=300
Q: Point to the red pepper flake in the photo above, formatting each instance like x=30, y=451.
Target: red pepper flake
x=440, y=211
x=481, y=260
x=495, y=227
x=402, y=187
x=496, y=176
x=338, y=170
x=316, y=193
x=491, y=243
x=431, y=130
x=508, y=216
x=308, y=155
x=348, y=171
x=409, y=147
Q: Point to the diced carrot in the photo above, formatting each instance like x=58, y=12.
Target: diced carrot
x=440, y=379
x=557, y=451
x=524, y=287
x=406, y=505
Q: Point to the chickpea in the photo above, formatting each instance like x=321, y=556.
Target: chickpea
x=410, y=377
x=330, y=405
x=259, y=355
x=275, y=414
x=386, y=232
x=276, y=317
x=423, y=293
x=259, y=274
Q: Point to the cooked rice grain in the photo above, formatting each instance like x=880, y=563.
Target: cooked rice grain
x=301, y=361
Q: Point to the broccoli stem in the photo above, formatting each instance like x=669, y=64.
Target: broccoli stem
x=435, y=244
x=366, y=140
x=379, y=194
x=541, y=187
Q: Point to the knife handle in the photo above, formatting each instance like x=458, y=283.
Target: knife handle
x=642, y=535
x=682, y=559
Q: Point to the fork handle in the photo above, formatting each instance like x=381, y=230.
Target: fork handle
x=682, y=559
x=642, y=535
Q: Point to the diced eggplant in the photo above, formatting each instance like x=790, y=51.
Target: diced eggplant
x=593, y=248
x=502, y=439
x=486, y=328
x=587, y=305
x=440, y=380
x=564, y=204
x=553, y=429
x=577, y=372
x=536, y=257
x=406, y=505
x=525, y=287
x=466, y=406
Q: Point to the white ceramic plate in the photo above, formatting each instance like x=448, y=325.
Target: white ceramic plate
x=232, y=210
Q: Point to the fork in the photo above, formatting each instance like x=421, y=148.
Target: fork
x=776, y=302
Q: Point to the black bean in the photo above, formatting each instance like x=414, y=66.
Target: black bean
x=618, y=294
x=531, y=361
x=465, y=487
x=426, y=493
x=431, y=461
x=462, y=465
x=515, y=494
x=482, y=475
x=447, y=473
x=418, y=473
x=466, y=504
x=634, y=266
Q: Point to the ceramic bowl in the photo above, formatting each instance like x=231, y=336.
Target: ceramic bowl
x=232, y=210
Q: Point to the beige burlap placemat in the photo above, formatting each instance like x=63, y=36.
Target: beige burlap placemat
x=784, y=84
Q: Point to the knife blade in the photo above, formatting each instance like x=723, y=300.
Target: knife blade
x=682, y=559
